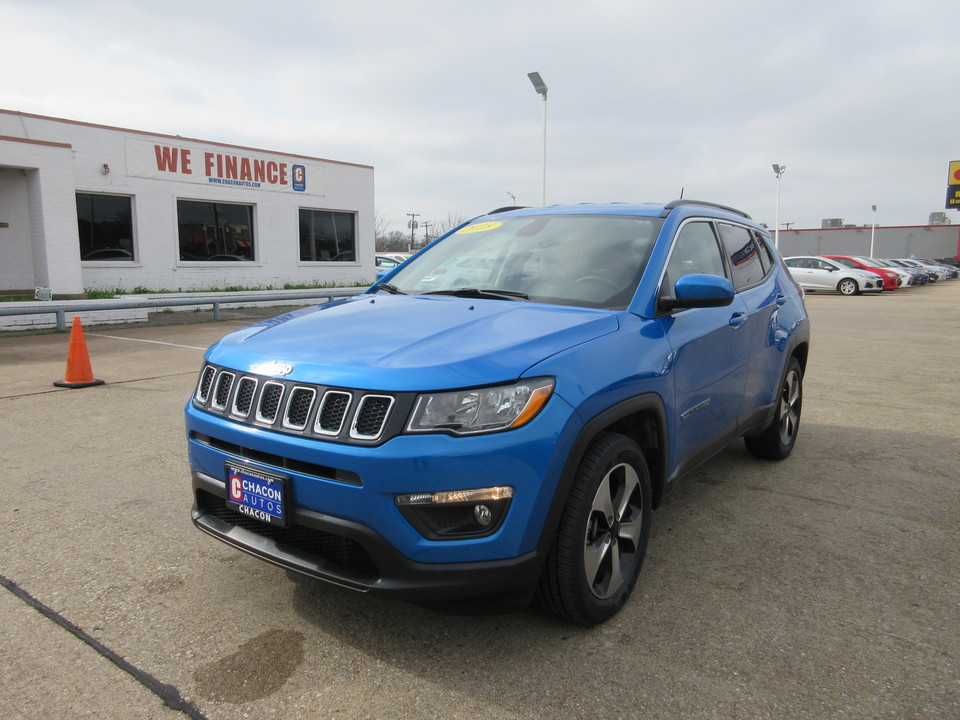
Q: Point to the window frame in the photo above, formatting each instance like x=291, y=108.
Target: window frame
x=354, y=217
x=714, y=223
x=134, y=249
x=756, y=237
x=662, y=294
x=254, y=258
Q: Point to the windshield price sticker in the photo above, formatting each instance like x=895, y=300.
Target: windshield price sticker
x=479, y=227
x=256, y=494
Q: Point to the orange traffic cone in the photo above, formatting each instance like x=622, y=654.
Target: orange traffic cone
x=78, y=374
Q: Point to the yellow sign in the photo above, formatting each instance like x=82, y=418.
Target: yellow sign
x=479, y=227
x=954, y=176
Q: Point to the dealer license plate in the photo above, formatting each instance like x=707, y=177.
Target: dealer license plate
x=257, y=494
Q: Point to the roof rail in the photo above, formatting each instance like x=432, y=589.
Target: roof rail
x=678, y=203
x=507, y=208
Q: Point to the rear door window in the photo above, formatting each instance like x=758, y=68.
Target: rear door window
x=743, y=253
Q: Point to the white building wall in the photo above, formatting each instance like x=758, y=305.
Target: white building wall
x=38, y=204
x=16, y=269
x=345, y=187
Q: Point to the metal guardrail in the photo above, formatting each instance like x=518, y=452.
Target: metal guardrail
x=61, y=308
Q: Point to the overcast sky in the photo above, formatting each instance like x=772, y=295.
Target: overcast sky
x=859, y=99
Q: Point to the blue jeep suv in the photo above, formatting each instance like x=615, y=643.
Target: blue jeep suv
x=494, y=420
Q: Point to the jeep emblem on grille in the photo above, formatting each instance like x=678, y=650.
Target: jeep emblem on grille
x=275, y=367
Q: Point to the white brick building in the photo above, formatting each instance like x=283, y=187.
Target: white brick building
x=87, y=206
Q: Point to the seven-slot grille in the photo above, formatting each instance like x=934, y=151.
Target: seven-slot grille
x=330, y=413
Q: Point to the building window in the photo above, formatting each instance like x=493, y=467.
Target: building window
x=212, y=231
x=105, y=223
x=327, y=235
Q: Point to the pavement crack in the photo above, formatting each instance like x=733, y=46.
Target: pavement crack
x=168, y=693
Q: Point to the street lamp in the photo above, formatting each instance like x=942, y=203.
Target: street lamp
x=873, y=228
x=541, y=87
x=778, y=170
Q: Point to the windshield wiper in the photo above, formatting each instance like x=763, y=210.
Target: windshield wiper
x=478, y=293
x=392, y=289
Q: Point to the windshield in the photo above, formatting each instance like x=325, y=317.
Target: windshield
x=584, y=260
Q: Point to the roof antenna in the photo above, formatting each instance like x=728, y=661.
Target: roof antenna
x=681, y=193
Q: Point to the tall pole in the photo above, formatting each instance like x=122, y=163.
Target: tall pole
x=873, y=229
x=778, y=170
x=543, y=164
x=541, y=87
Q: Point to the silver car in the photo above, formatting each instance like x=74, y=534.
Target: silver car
x=818, y=273
x=940, y=271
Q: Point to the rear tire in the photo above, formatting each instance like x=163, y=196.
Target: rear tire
x=777, y=441
x=595, y=559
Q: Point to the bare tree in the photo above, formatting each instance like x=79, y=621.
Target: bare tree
x=381, y=226
x=445, y=226
x=394, y=241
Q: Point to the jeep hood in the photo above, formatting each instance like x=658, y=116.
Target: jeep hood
x=401, y=343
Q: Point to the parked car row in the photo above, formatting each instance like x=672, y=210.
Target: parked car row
x=854, y=274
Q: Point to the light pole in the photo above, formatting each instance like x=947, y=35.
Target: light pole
x=541, y=87
x=513, y=198
x=778, y=170
x=873, y=228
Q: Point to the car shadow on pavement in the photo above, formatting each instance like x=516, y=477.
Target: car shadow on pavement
x=760, y=576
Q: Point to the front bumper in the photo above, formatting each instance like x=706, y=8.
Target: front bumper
x=345, y=527
x=356, y=557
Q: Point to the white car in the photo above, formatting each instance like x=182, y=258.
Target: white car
x=941, y=272
x=818, y=273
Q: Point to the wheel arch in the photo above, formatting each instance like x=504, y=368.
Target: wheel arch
x=641, y=418
x=801, y=351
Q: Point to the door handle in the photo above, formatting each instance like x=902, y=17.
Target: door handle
x=738, y=319
x=781, y=299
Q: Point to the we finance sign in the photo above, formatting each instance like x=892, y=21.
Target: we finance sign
x=216, y=166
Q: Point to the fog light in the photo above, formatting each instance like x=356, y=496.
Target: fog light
x=456, y=514
x=483, y=515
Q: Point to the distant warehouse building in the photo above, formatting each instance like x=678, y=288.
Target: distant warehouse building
x=937, y=240
x=86, y=206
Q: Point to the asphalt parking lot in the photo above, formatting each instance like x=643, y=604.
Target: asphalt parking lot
x=826, y=586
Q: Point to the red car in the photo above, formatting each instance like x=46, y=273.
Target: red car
x=891, y=280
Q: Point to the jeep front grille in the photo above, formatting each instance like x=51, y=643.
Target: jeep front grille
x=243, y=400
x=333, y=410
x=370, y=417
x=339, y=414
x=298, y=408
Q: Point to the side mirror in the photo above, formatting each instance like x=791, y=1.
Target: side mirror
x=696, y=291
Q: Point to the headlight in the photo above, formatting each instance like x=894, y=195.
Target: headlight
x=480, y=410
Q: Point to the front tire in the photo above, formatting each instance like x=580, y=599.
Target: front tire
x=777, y=441
x=848, y=286
x=596, y=556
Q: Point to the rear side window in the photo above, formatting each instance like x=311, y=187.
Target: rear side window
x=767, y=258
x=742, y=249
